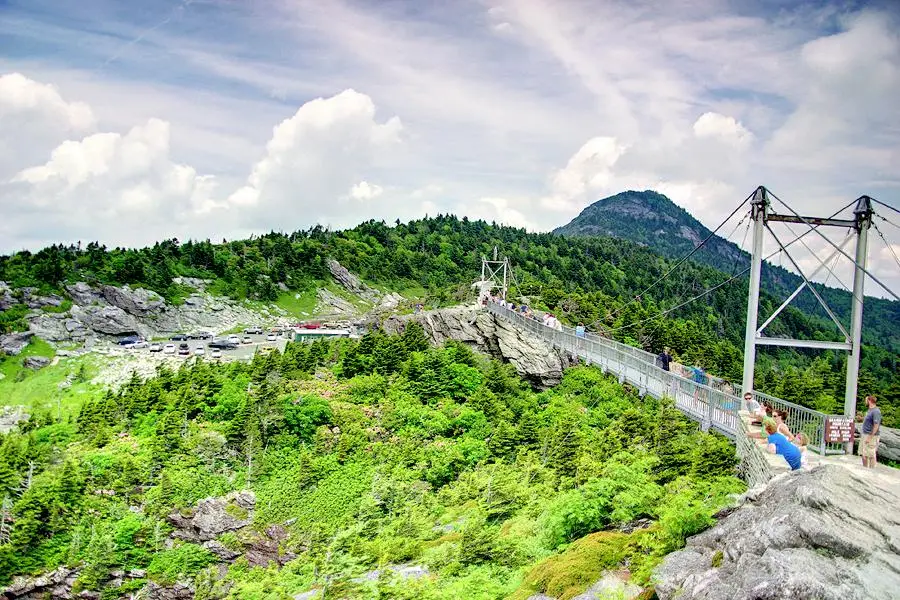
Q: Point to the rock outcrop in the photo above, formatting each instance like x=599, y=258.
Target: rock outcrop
x=6, y=297
x=829, y=533
x=56, y=584
x=115, y=311
x=14, y=343
x=534, y=359
x=215, y=516
x=35, y=362
x=352, y=283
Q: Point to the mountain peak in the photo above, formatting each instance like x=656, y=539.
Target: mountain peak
x=645, y=217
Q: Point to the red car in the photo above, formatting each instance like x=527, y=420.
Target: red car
x=312, y=325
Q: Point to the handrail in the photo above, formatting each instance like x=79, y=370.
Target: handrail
x=711, y=405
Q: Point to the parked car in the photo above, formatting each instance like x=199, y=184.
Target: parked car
x=215, y=353
x=253, y=331
x=128, y=340
x=156, y=347
x=247, y=339
x=271, y=337
x=179, y=337
x=222, y=344
x=184, y=349
x=200, y=335
x=312, y=325
x=234, y=339
x=138, y=345
x=199, y=351
x=169, y=349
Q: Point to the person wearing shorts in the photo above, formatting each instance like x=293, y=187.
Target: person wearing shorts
x=868, y=441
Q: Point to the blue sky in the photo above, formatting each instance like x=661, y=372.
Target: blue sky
x=134, y=121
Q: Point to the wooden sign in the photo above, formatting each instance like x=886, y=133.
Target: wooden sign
x=838, y=430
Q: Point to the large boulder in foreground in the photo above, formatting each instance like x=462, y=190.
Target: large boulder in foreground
x=830, y=533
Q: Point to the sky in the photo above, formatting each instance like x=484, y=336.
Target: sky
x=131, y=122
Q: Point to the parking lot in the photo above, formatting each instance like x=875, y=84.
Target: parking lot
x=242, y=352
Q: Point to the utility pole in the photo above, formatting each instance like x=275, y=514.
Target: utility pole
x=759, y=208
x=863, y=217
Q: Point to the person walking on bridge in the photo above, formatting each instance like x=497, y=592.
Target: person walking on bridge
x=868, y=442
x=664, y=359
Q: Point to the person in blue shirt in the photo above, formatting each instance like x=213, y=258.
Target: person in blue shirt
x=579, y=330
x=779, y=444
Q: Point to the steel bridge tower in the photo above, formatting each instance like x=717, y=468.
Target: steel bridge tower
x=859, y=227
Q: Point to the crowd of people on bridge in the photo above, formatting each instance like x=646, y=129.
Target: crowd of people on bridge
x=546, y=318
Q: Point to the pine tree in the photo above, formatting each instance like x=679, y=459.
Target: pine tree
x=414, y=338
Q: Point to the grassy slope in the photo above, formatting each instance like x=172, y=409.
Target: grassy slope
x=34, y=389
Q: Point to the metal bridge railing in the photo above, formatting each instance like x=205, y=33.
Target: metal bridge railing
x=714, y=406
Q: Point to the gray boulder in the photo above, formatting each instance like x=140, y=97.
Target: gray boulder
x=6, y=297
x=532, y=358
x=154, y=591
x=138, y=302
x=110, y=320
x=84, y=295
x=829, y=533
x=31, y=299
x=55, y=327
x=55, y=584
x=329, y=303
x=351, y=282
x=215, y=516
x=14, y=343
x=35, y=362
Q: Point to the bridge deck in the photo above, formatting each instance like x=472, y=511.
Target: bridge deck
x=713, y=406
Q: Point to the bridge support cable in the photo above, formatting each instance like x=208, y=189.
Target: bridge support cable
x=833, y=257
x=684, y=258
x=808, y=221
x=707, y=291
x=886, y=243
x=812, y=287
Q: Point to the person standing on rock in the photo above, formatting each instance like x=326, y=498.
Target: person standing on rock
x=868, y=442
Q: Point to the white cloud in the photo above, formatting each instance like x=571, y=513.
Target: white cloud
x=715, y=125
x=21, y=97
x=365, y=191
x=588, y=171
x=313, y=158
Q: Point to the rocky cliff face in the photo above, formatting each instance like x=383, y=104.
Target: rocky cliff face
x=109, y=310
x=533, y=359
x=830, y=533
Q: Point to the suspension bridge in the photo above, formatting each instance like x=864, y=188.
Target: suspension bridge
x=715, y=403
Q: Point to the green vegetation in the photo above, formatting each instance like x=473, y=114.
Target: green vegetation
x=591, y=280
x=369, y=453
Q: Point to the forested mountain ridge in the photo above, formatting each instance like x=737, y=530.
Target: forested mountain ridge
x=588, y=279
x=653, y=220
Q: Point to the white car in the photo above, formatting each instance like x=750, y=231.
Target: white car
x=271, y=337
x=138, y=346
x=233, y=339
x=199, y=350
x=215, y=353
x=248, y=339
x=169, y=349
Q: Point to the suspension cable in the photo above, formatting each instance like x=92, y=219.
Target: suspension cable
x=729, y=280
x=684, y=258
x=889, y=246
x=824, y=237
